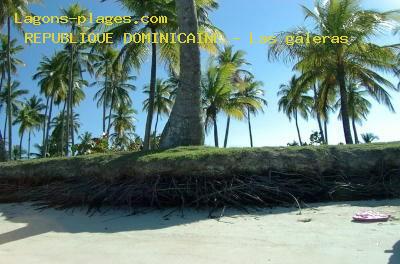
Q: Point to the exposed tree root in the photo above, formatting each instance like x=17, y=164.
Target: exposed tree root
x=238, y=191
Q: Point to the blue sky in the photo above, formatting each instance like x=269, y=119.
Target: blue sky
x=237, y=18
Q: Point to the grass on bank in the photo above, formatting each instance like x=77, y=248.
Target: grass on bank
x=199, y=153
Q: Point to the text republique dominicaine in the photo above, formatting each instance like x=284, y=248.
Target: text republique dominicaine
x=141, y=38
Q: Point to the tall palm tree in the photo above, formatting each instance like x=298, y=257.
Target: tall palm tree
x=252, y=92
x=14, y=50
x=358, y=59
x=77, y=57
x=237, y=59
x=163, y=100
x=52, y=78
x=133, y=54
x=7, y=9
x=120, y=89
x=35, y=106
x=294, y=101
x=123, y=124
x=104, y=68
x=185, y=125
x=217, y=90
x=15, y=62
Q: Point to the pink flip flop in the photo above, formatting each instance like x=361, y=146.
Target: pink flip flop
x=370, y=216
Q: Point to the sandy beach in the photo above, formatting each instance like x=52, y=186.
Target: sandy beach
x=323, y=233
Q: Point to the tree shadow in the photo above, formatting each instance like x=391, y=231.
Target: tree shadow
x=36, y=222
x=395, y=257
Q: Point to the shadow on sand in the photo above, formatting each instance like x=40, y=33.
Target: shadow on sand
x=113, y=221
x=395, y=257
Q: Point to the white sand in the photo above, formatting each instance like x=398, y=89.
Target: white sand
x=272, y=236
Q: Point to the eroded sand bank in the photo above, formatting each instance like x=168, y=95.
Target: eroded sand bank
x=322, y=234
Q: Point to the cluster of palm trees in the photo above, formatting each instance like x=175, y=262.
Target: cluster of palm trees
x=61, y=77
x=227, y=87
x=338, y=76
x=328, y=77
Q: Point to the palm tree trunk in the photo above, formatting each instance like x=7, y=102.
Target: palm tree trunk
x=29, y=144
x=249, y=121
x=105, y=99
x=72, y=130
x=2, y=150
x=44, y=122
x=326, y=131
x=1, y=86
x=185, y=124
x=46, y=142
x=20, y=146
x=228, y=122
x=355, y=131
x=104, y=116
x=2, y=80
x=9, y=87
x=156, y=125
x=109, y=115
x=5, y=128
x=298, y=129
x=70, y=95
x=215, y=132
x=321, y=131
x=62, y=127
x=146, y=145
x=344, y=106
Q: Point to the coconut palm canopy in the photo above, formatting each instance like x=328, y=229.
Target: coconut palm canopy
x=124, y=93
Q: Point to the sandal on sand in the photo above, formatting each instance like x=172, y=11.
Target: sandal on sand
x=370, y=216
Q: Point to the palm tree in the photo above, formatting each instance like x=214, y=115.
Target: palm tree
x=7, y=9
x=15, y=62
x=56, y=142
x=29, y=118
x=369, y=137
x=104, y=68
x=253, y=94
x=123, y=124
x=13, y=96
x=14, y=49
x=217, y=90
x=358, y=59
x=236, y=59
x=185, y=125
x=35, y=106
x=53, y=82
x=293, y=101
x=359, y=108
x=133, y=55
x=17, y=152
x=120, y=88
x=163, y=100
x=77, y=57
